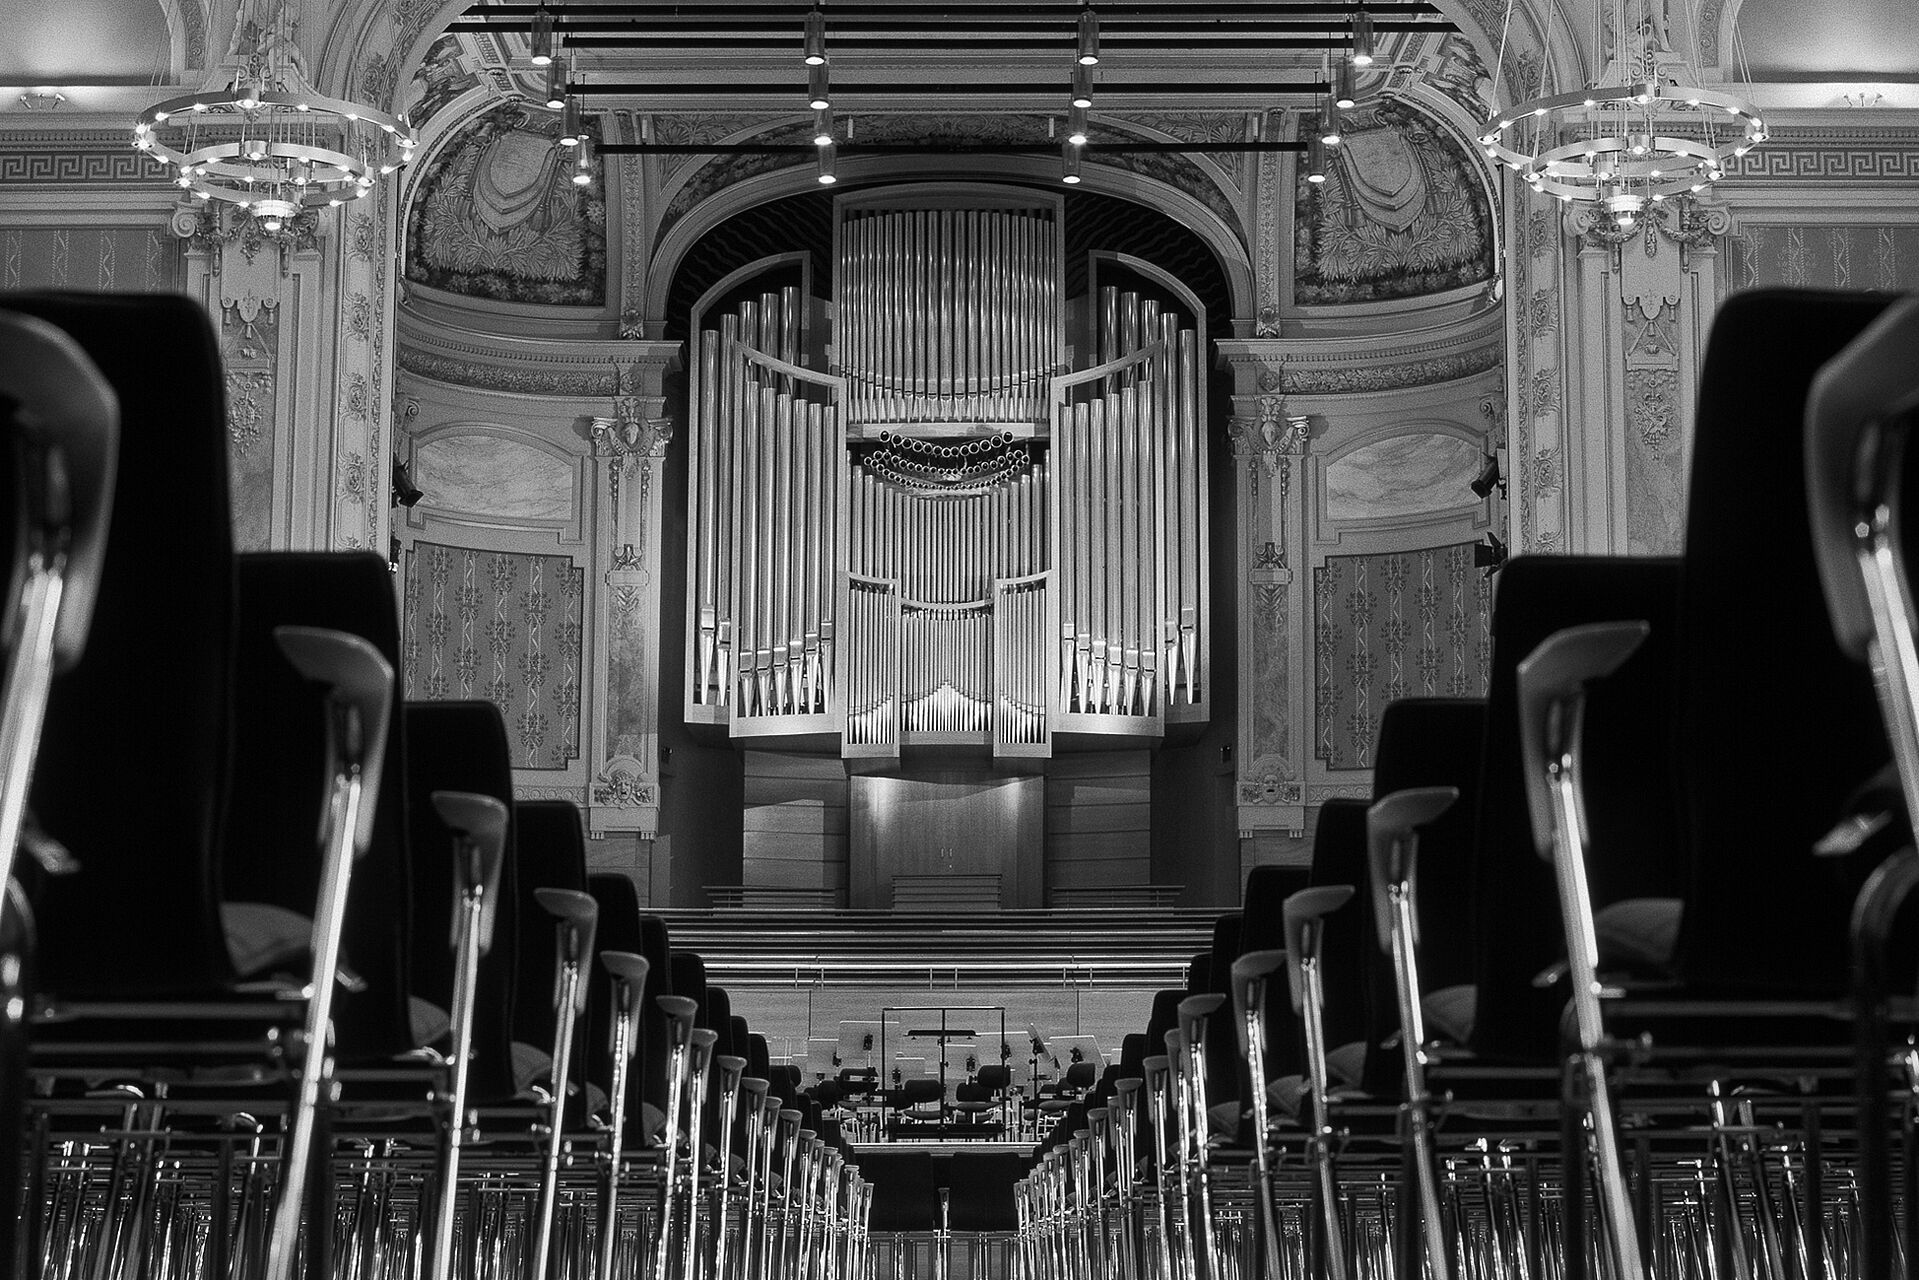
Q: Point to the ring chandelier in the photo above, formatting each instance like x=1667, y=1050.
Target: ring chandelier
x=269, y=144
x=1631, y=138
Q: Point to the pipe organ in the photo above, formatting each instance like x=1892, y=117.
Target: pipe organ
x=920, y=515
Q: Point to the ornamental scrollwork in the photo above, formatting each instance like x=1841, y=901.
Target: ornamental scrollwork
x=622, y=786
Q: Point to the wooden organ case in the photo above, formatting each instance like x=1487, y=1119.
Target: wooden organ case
x=953, y=508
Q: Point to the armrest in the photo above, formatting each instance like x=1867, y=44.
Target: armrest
x=1300, y=911
x=1250, y=974
x=1552, y=704
x=1393, y=850
x=359, y=681
x=479, y=824
x=65, y=419
x=577, y=917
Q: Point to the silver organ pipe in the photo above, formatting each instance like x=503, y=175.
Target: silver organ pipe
x=947, y=538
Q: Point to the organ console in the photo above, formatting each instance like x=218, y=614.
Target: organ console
x=947, y=524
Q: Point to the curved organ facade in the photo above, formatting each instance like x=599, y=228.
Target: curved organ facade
x=954, y=506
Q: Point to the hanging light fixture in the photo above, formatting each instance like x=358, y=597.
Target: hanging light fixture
x=572, y=125
x=556, y=78
x=1088, y=37
x=583, y=160
x=1082, y=87
x=1328, y=126
x=261, y=138
x=1362, y=38
x=1076, y=127
x=1602, y=145
x=827, y=155
x=542, y=37
x=1069, y=163
x=1316, y=161
x=814, y=45
x=816, y=95
x=823, y=128
x=1343, y=77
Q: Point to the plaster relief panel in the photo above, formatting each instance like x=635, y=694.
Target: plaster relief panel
x=496, y=480
x=1409, y=475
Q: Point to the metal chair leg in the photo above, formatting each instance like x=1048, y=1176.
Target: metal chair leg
x=1393, y=847
x=575, y=916
x=479, y=826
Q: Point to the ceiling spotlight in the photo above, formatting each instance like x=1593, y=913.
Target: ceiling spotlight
x=572, y=126
x=1343, y=78
x=816, y=94
x=1082, y=87
x=1076, y=127
x=1315, y=161
x=542, y=37
x=1489, y=555
x=823, y=128
x=1489, y=476
x=583, y=161
x=827, y=155
x=555, y=87
x=1088, y=51
x=1362, y=39
x=815, y=55
x=1069, y=165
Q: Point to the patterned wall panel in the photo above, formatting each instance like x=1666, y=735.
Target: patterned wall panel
x=1394, y=625
x=504, y=627
x=1824, y=255
x=121, y=259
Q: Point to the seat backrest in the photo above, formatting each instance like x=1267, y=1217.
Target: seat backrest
x=1225, y=1069
x=549, y=846
x=654, y=1044
x=1349, y=953
x=1263, y=928
x=1631, y=815
x=1431, y=742
x=1776, y=725
x=148, y=707
x=462, y=746
x=619, y=930
x=279, y=767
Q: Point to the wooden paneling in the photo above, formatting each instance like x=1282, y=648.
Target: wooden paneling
x=1099, y=818
x=945, y=819
x=793, y=821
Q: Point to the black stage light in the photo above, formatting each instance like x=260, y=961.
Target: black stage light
x=405, y=493
x=1489, y=555
x=1489, y=475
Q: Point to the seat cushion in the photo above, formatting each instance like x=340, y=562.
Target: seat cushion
x=1449, y=1012
x=1639, y=934
x=262, y=937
